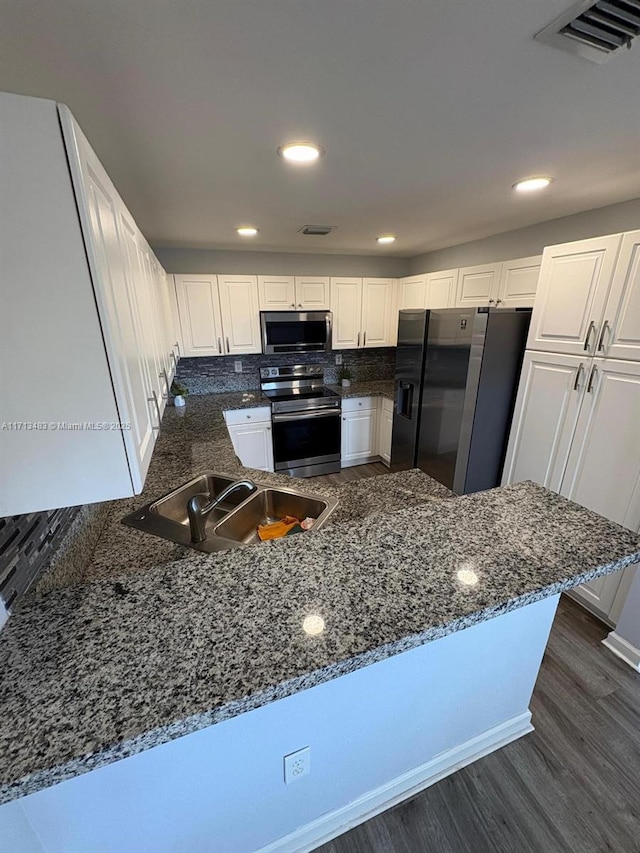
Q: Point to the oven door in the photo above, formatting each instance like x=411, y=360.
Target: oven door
x=304, y=439
x=295, y=331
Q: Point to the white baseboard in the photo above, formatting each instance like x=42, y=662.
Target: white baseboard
x=407, y=785
x=623, y=649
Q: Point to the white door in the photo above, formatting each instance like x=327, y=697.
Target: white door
x=276, y=293
x=603, y=471
x=478, y=285
x=572, y=291
x=359, y=436
x=385, y=430
x=412, y=292
x=519, y=282
x=620, y=331
x=346, y=305
x=313, y=293
x=240, y=313
x=544, y=420
x=253, y=446
x=441, y=289
x=378, y=301
x=199, y=311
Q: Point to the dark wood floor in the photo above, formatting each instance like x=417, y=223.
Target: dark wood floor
x=348, y=475
x=572, y=785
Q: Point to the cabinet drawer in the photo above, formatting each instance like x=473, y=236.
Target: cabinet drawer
x=355, y=404
x=243, y=416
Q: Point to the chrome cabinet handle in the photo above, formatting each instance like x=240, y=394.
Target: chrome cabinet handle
x=228, y=348
x=358, y=338
x=173, y=356
x=364, y=339
x=576, y=384
x=163, y=375
x=491, y=301
x=592, y=327
x=177, y=346
x=220, y=346
x=154, y=399
x=594, y=370
x=605, y=326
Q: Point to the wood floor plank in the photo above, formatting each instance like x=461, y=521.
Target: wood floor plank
x=572, y=786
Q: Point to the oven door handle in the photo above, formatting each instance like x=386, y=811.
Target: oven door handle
x=303, y=416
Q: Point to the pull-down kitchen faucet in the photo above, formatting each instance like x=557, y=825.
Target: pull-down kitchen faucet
x=198, y=513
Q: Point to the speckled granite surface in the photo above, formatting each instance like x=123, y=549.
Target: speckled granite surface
x=150, y=648
x=374, y=388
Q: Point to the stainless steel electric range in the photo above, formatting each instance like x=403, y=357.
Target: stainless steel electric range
x=305, y=417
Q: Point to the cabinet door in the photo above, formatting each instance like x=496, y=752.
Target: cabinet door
x=441, y=289
x=478, y=285
x=359, y=436
x=544, y=420
x=412, y=292
x=313, y=293
x=385, y=429
x=603, y=469
x=620, y=332
x=378, y=300
x=276, y=293
x=240, y=313
x=346, y=305
x=150, y=316
x=572, y=290
x=252, y=444
x=199, y=311
x=519, y=282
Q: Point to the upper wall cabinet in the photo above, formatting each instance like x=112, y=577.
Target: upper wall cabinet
x=412, y=292
x=218, y=314
x=620, y=331
x=363, y=312
x=431, y=290
x=572, y=293
x=91, y=351
x=289, y=293
x=518, y=282
x=478, y=285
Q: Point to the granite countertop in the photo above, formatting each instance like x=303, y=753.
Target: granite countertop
x=373, y=388
x=128, y=659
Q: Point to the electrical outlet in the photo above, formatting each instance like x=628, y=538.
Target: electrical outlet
x=338, y=358
x=297, y=764
x=238, y=366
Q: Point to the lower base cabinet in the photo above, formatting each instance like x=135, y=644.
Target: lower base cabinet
x=367, y=424
x=250, y=432
x=385, y=430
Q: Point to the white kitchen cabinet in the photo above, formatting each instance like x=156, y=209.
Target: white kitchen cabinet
x=412, y=292
x=288, y=293
x=518, y=282
x=359, y=431
x=277, y=292
x=250, y=432
x=619, y=335
x=364, y=312
x=441, y=289
x=385, y=429
x=573, y=288
x=200, y=315
x=240, y=314
x=478, y=285
x=544, y=418
x=70, y=247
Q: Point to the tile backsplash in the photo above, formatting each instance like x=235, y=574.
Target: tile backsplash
x=216, y=374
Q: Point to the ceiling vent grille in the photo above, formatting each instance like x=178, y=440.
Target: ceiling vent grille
x=595, y=31
x=317, y=230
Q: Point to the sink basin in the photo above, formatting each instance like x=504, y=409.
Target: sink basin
x=265, y=506
x=232, y=524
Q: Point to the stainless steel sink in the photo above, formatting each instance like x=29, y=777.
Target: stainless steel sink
x=233, y=523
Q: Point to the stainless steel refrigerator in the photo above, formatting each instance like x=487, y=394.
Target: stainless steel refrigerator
x=457, y=373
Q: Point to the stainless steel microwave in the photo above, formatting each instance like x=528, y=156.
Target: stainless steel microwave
x=295, y=331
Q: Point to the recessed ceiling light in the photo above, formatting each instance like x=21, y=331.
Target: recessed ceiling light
x=247, y=231
x=386, y=238
x=530, y=184
x=300, y=152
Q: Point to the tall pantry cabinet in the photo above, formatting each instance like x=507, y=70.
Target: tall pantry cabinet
x=576, y=425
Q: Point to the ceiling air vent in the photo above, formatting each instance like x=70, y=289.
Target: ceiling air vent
x=317, y=230
x=595, y=31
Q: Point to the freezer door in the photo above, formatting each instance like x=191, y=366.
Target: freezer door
x=410, y=353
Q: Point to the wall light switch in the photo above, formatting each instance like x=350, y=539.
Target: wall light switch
x=297, y=764
x=338, y=358
x=237, y=366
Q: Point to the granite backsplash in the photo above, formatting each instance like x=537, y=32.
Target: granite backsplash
x=216, y=374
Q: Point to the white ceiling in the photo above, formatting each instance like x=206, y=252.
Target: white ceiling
x=428, y=110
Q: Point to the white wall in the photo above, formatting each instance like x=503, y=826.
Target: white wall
x=221, y=790
x=533, y=239
x=279, y=263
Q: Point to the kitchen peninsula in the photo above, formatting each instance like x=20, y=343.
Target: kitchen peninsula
x=161, y=687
